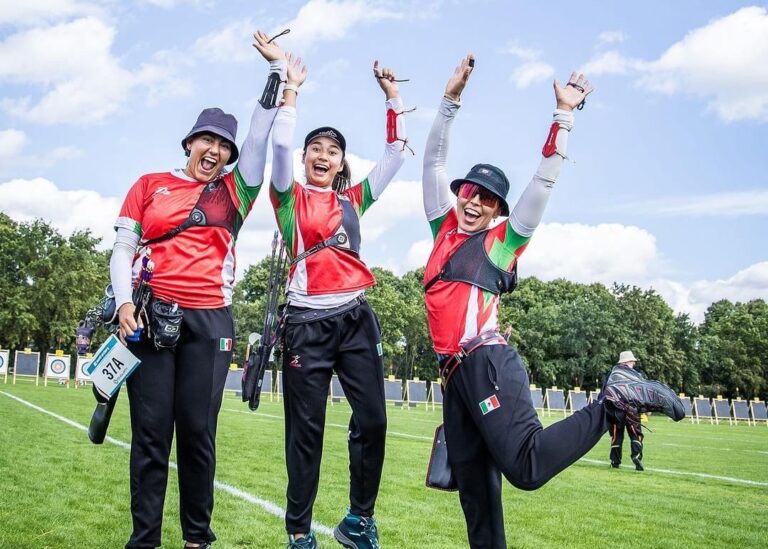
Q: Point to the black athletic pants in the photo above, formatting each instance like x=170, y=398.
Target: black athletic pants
x=617, y=440
x=348, y=343
x=181, y=388
x=507, y=440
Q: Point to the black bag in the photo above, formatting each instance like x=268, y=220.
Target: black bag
x=439, y=474
x=166, y=324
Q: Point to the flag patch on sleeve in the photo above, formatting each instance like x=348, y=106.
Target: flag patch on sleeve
x=489, y=404
x=225, y=344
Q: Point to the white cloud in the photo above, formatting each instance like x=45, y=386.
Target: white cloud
x=418, y=254
x=532, y=70
x=723, y=61
x=611, y=37
x=729, y=204
x=29, y=199
x=81, y=80
x=316, y=21
x=694, y=298
x=590, y=253
x=526, y=54
x=329, y=20
x=530, y=73
x=610, y=62
x=12, y=156
x=35, y=12
x=231, y=44
x=11, y=144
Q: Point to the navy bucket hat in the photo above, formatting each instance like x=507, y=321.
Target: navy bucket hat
x=489, y=177
x=216, y=121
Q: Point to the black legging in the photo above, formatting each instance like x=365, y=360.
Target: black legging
x=348, y=343
x=181, y=389
x=508, y=440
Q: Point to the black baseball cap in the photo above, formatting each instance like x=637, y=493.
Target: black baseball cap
x=327, y=131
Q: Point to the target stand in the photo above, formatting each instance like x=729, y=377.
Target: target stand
x=57, y=367
x=82, y=377
x=26, y=366
x=5, y=355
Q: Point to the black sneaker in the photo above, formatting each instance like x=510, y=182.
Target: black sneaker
x=636, y=395
x=638, y=463
x=356, y=532
x=615, y=465
x=204, y=545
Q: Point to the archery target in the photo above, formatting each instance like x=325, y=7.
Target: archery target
x=57, y=366
x=82, y=368
x=3, y=362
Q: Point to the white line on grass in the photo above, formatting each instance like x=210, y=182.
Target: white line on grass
x=687, y=474
x=339, y=425
x=585, y=460
x=718, y=448
x=266, y=505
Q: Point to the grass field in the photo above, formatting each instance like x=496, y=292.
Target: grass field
x=705, y=485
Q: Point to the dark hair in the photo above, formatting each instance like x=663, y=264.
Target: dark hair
x=343, y=179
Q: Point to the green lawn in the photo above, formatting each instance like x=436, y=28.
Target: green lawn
x=705, y=485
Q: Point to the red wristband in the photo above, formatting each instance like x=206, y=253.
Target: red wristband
x=550, y=145
x=391, y=126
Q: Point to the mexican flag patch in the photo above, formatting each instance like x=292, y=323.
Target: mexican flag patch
x=225, y=344
x=489, y=404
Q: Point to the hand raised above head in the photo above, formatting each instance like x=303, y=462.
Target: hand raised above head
x=296, y=73
x=387, y=80
x=574, y=93
x=459, y=78
x=269, y=50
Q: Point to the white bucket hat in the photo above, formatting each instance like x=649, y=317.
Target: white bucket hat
x=626, y=356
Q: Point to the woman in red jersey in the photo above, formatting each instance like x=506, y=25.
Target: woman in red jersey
x=189, y=219
x=491, y=427
x=329, y=325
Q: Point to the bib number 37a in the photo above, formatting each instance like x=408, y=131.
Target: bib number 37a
x=111, y=366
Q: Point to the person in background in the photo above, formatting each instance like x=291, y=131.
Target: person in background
x=627, y=360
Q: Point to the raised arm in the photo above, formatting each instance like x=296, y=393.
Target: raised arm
x=394, y=150
x=435, y=188
x=285, y=124
x=526, y=215
x=253, y=154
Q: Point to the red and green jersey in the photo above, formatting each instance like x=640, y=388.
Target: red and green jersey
x=196, y=268
x=458, y=311
x=308, y=216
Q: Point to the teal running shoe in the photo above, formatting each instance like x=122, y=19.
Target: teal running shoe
x=307, y=542
x=356, y=532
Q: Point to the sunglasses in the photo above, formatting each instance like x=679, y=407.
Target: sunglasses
x=467, y=191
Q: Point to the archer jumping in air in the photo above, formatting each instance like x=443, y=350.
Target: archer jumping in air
x=491, y=427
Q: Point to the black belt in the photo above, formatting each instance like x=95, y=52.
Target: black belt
x=448, y=365
x=303, y=315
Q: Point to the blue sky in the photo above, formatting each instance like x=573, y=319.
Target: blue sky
x=667, y=188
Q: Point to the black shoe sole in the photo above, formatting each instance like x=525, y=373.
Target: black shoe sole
x=343, y=540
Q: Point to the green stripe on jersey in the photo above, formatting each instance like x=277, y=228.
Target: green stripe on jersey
x=245, y=194
x=286, y=217
x=367, y=199
x=436, y=223
x=503, y=253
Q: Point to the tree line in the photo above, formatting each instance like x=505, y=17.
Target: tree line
x=569, y=334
